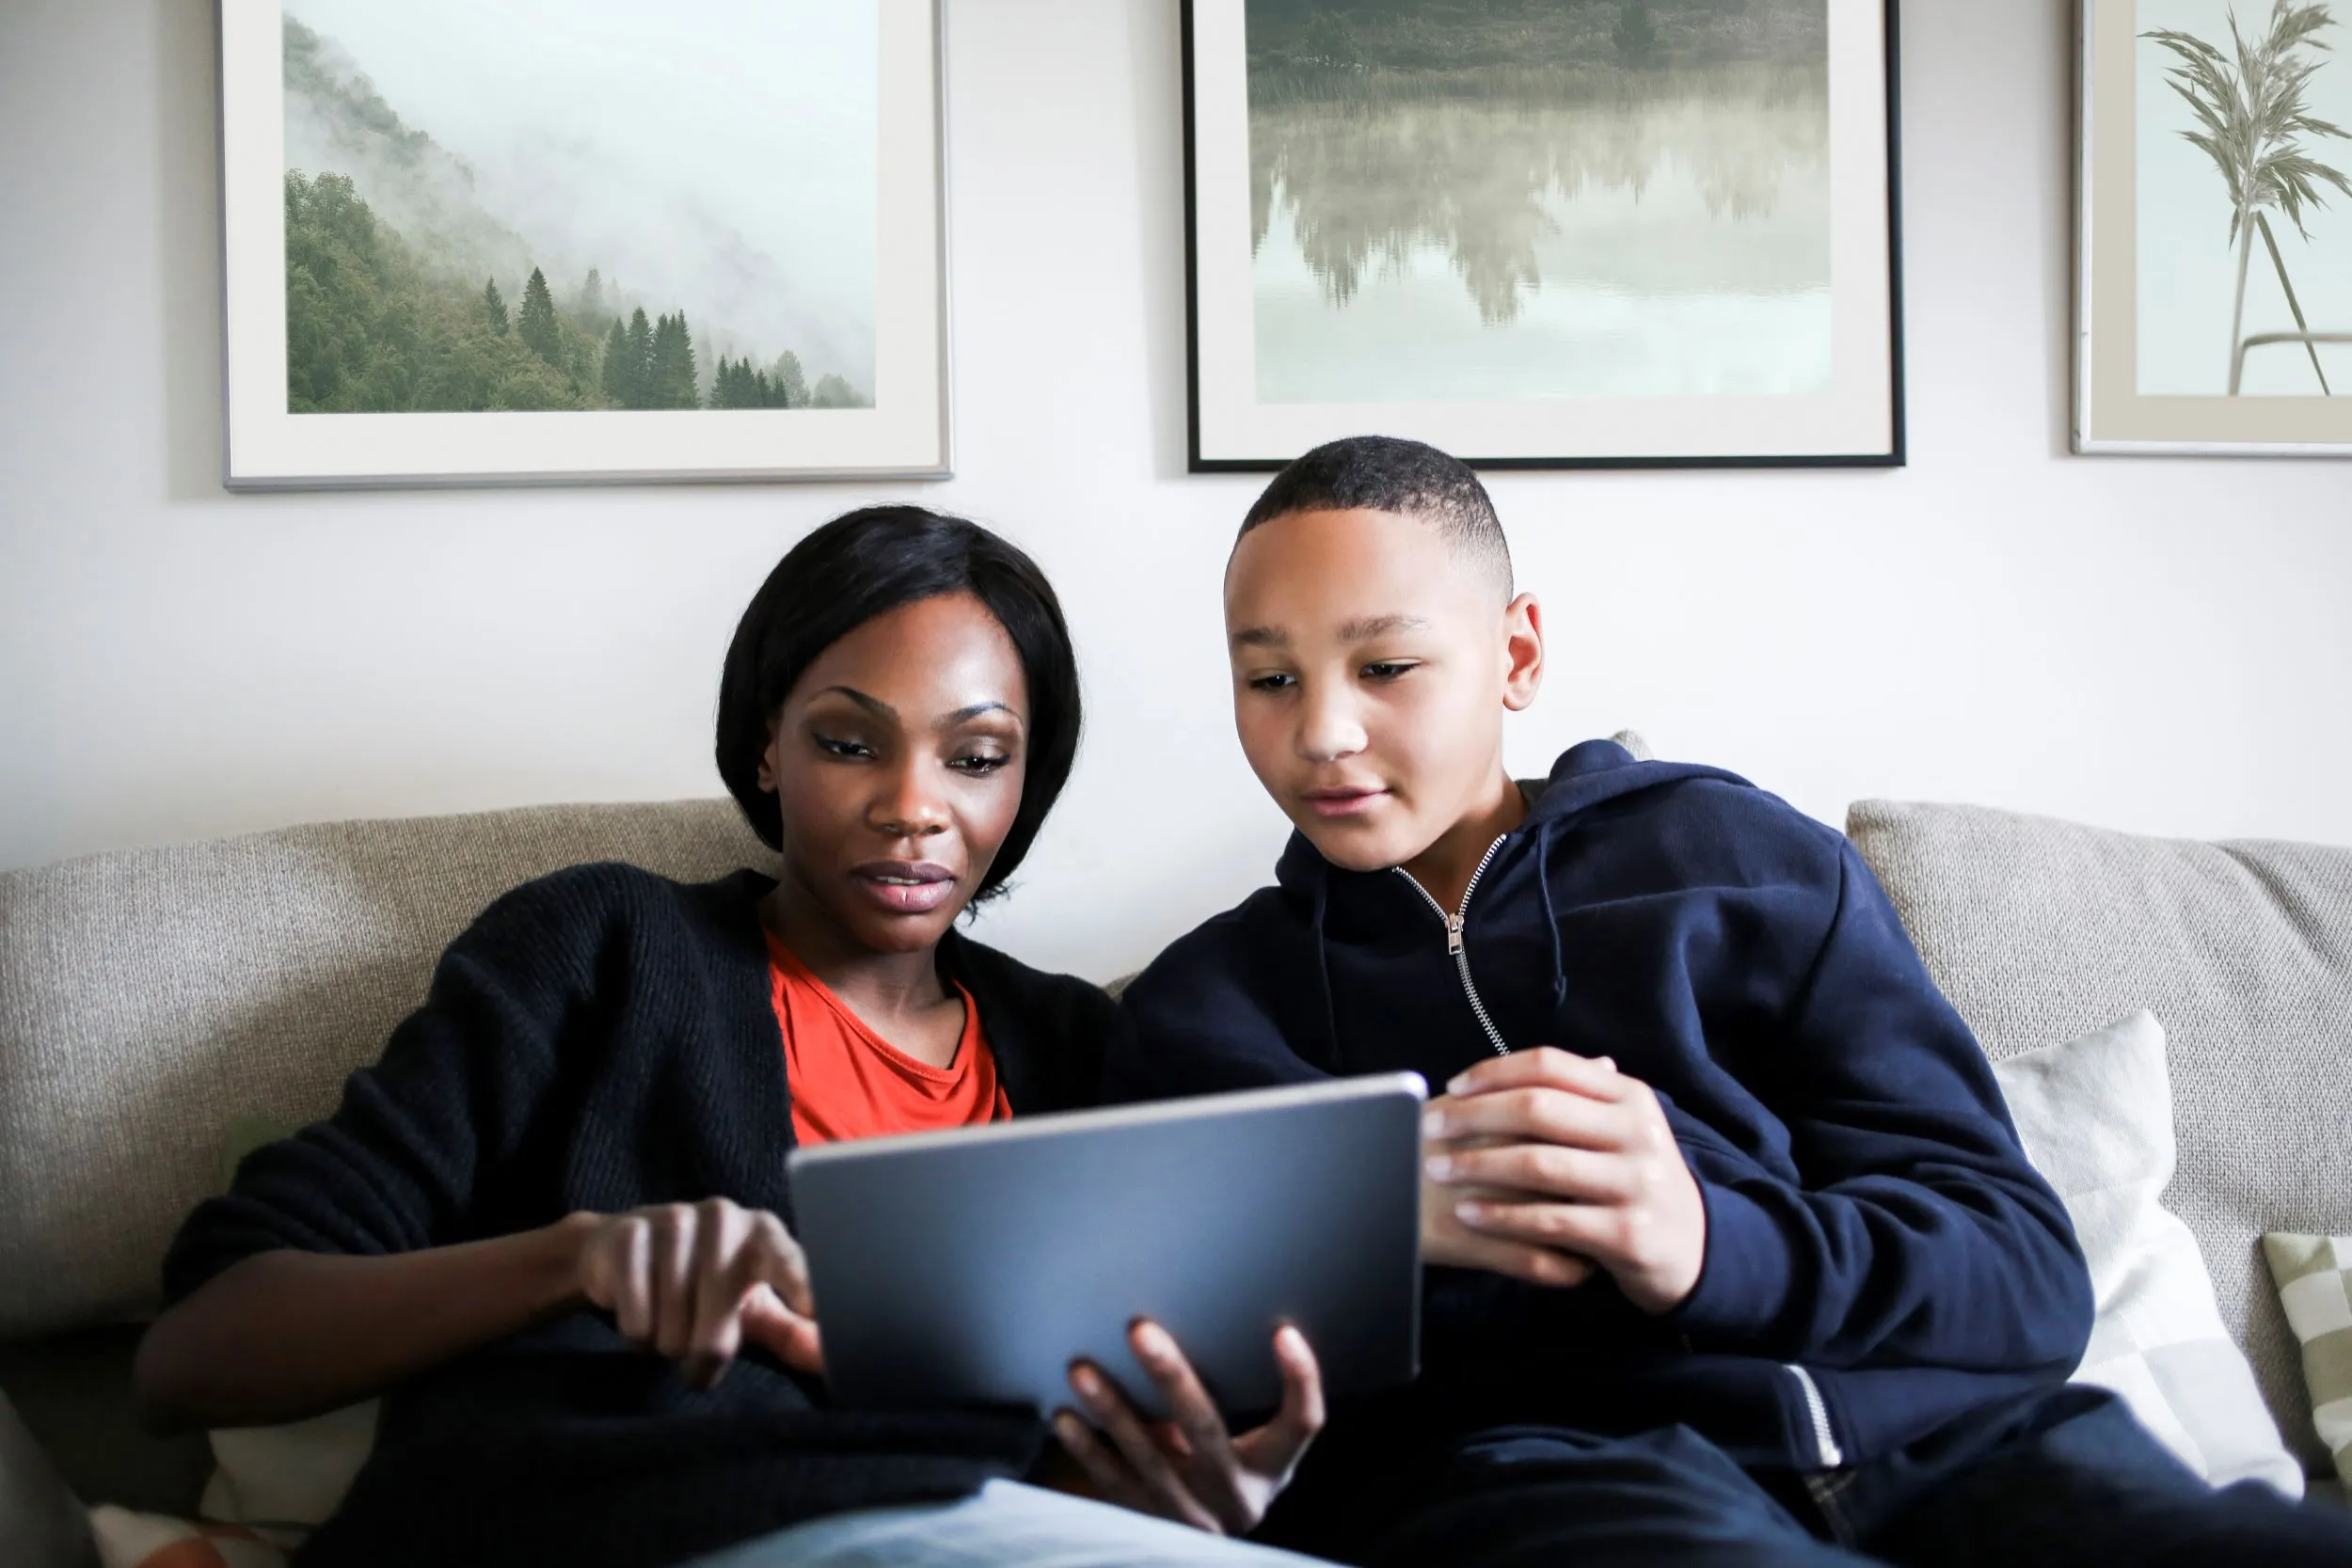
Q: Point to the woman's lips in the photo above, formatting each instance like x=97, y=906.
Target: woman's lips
x=1332, y=804
x=905, y=887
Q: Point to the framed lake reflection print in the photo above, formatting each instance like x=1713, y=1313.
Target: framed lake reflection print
x=1545, y=234
x=2215, y=240
x=516, y=241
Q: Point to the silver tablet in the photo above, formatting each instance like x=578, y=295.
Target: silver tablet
x=972, y=1266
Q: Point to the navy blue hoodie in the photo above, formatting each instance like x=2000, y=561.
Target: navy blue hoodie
x=1880, y=1257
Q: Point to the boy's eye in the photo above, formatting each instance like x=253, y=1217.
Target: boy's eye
x=843, y=748
x=1386, y=669
x=1272, y=683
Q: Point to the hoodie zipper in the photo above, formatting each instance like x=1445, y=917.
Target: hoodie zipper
x=1458, y=948
x=1825, y=1437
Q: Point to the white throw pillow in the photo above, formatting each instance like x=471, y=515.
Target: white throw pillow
x=2096, y=1115
x=284, y=1480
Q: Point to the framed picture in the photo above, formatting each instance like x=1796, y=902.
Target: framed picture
x=1589, y=234
x=561, y=241
x=2215, y=238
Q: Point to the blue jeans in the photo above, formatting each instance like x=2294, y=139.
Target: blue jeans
x=2063, y=1476
x=1006, y=1524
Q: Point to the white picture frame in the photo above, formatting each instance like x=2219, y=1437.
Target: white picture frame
x=2130, y=396
x=1857, y=419
x=904, y=431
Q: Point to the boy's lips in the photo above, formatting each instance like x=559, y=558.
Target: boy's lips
x=905, y=887
x=1344, y=801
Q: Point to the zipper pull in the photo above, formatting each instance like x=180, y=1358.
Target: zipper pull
x=1454, y=935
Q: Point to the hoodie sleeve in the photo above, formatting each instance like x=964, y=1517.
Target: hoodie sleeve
x=1919, y=1234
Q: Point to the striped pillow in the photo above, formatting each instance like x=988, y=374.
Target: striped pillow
x=2314, y=1276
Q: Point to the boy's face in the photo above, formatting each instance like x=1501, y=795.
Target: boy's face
x=1371, y=668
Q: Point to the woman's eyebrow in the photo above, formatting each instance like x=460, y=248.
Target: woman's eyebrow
x=874, y=705
x=965, y=715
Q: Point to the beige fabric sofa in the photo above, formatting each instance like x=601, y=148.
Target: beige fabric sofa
x=153, y=1002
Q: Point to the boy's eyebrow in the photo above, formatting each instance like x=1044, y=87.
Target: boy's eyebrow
x=1261, y=637
x=1380, y=625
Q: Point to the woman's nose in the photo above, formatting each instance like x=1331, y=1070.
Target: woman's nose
x=908, y=804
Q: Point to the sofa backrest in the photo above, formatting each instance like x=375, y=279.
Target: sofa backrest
x=2040, y=931
x=150, y=1000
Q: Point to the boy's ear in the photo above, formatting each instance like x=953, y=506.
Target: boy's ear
x=1523, y=651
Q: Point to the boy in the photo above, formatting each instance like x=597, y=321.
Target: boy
x=1734, y=1256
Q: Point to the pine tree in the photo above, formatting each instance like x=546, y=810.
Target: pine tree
x=536, y=326
x=615, y=379
x=591, y=311
x=496, y=305
x=637, y=364
x=671, y=384
x=791, y=384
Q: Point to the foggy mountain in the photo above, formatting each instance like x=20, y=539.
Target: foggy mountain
x=653, y=247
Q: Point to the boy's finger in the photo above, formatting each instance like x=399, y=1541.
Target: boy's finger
x=791, y=1338
x=1591, y=1229
x=1537, y=1265
x=1536, y=1170
x=1545, y=1115
x=1546, y=1064
x=673, y=1280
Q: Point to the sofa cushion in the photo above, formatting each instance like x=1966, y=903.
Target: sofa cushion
x=2041, y=930
x=72, y=1391
x=149, y=998
x=41, y=1525
x=2096, y=1115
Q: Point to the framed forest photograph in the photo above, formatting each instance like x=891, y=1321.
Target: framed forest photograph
x=2215, y=239
x=1545, y=234
x=569, y=241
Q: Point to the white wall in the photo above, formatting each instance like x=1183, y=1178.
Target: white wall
x=2160, y=645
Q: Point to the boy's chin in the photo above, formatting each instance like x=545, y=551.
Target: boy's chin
x=1356, y=846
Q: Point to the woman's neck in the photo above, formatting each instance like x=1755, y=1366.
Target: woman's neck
x=881, y=987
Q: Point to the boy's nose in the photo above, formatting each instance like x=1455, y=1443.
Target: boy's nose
x=1329, y=730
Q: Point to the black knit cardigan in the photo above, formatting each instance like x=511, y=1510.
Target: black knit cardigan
x=603, y=1038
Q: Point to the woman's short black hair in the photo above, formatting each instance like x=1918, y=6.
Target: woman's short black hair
x=866, y=563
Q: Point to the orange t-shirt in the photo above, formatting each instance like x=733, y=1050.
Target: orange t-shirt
x=848, y=1081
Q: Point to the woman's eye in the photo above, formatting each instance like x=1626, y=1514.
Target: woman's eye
x=978, y=765
x=843, y=748
x=1272, y=683
x=1386, y=669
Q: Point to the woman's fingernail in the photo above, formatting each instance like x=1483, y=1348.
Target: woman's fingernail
x=1088, y=1385
x=1433, y=1124
x=1154, y=1341
x=1470, y=1213
x=1458, y=1084
x=1066, y=1426
x=1440, y=1167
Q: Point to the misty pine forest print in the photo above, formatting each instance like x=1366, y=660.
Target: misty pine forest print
x=408, y=291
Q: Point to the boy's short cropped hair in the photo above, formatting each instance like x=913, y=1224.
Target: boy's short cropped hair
x=1385, y=473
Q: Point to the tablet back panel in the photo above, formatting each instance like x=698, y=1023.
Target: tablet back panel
x=971, y=1267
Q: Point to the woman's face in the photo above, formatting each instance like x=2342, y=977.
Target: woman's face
x=897, y=760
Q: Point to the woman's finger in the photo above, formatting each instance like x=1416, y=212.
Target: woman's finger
x=1116, y=1420
x=630, y=1250
x=1199, y=1434
x=784, y=1334
x=719, y=1290
x=673, y=1279
x=1274, y=1450
x=782, y=1265
x=1109, y=1473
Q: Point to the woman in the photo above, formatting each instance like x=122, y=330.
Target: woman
x=574, y=1152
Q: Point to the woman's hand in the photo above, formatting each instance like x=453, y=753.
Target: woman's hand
x=694, y=1281
x=1190, y=1468
x=1546, y=1153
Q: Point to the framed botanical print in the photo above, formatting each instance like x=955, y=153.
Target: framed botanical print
x=551, y=241
x=2215, y=237
x=1625, y=233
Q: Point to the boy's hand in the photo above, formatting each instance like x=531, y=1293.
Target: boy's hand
x=694, y=1281
x=1549, y=1151
x=1190, y=1468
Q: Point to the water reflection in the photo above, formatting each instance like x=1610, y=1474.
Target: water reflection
x=1669, y=237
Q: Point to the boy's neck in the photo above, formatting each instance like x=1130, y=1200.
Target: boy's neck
x=1445, y=868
